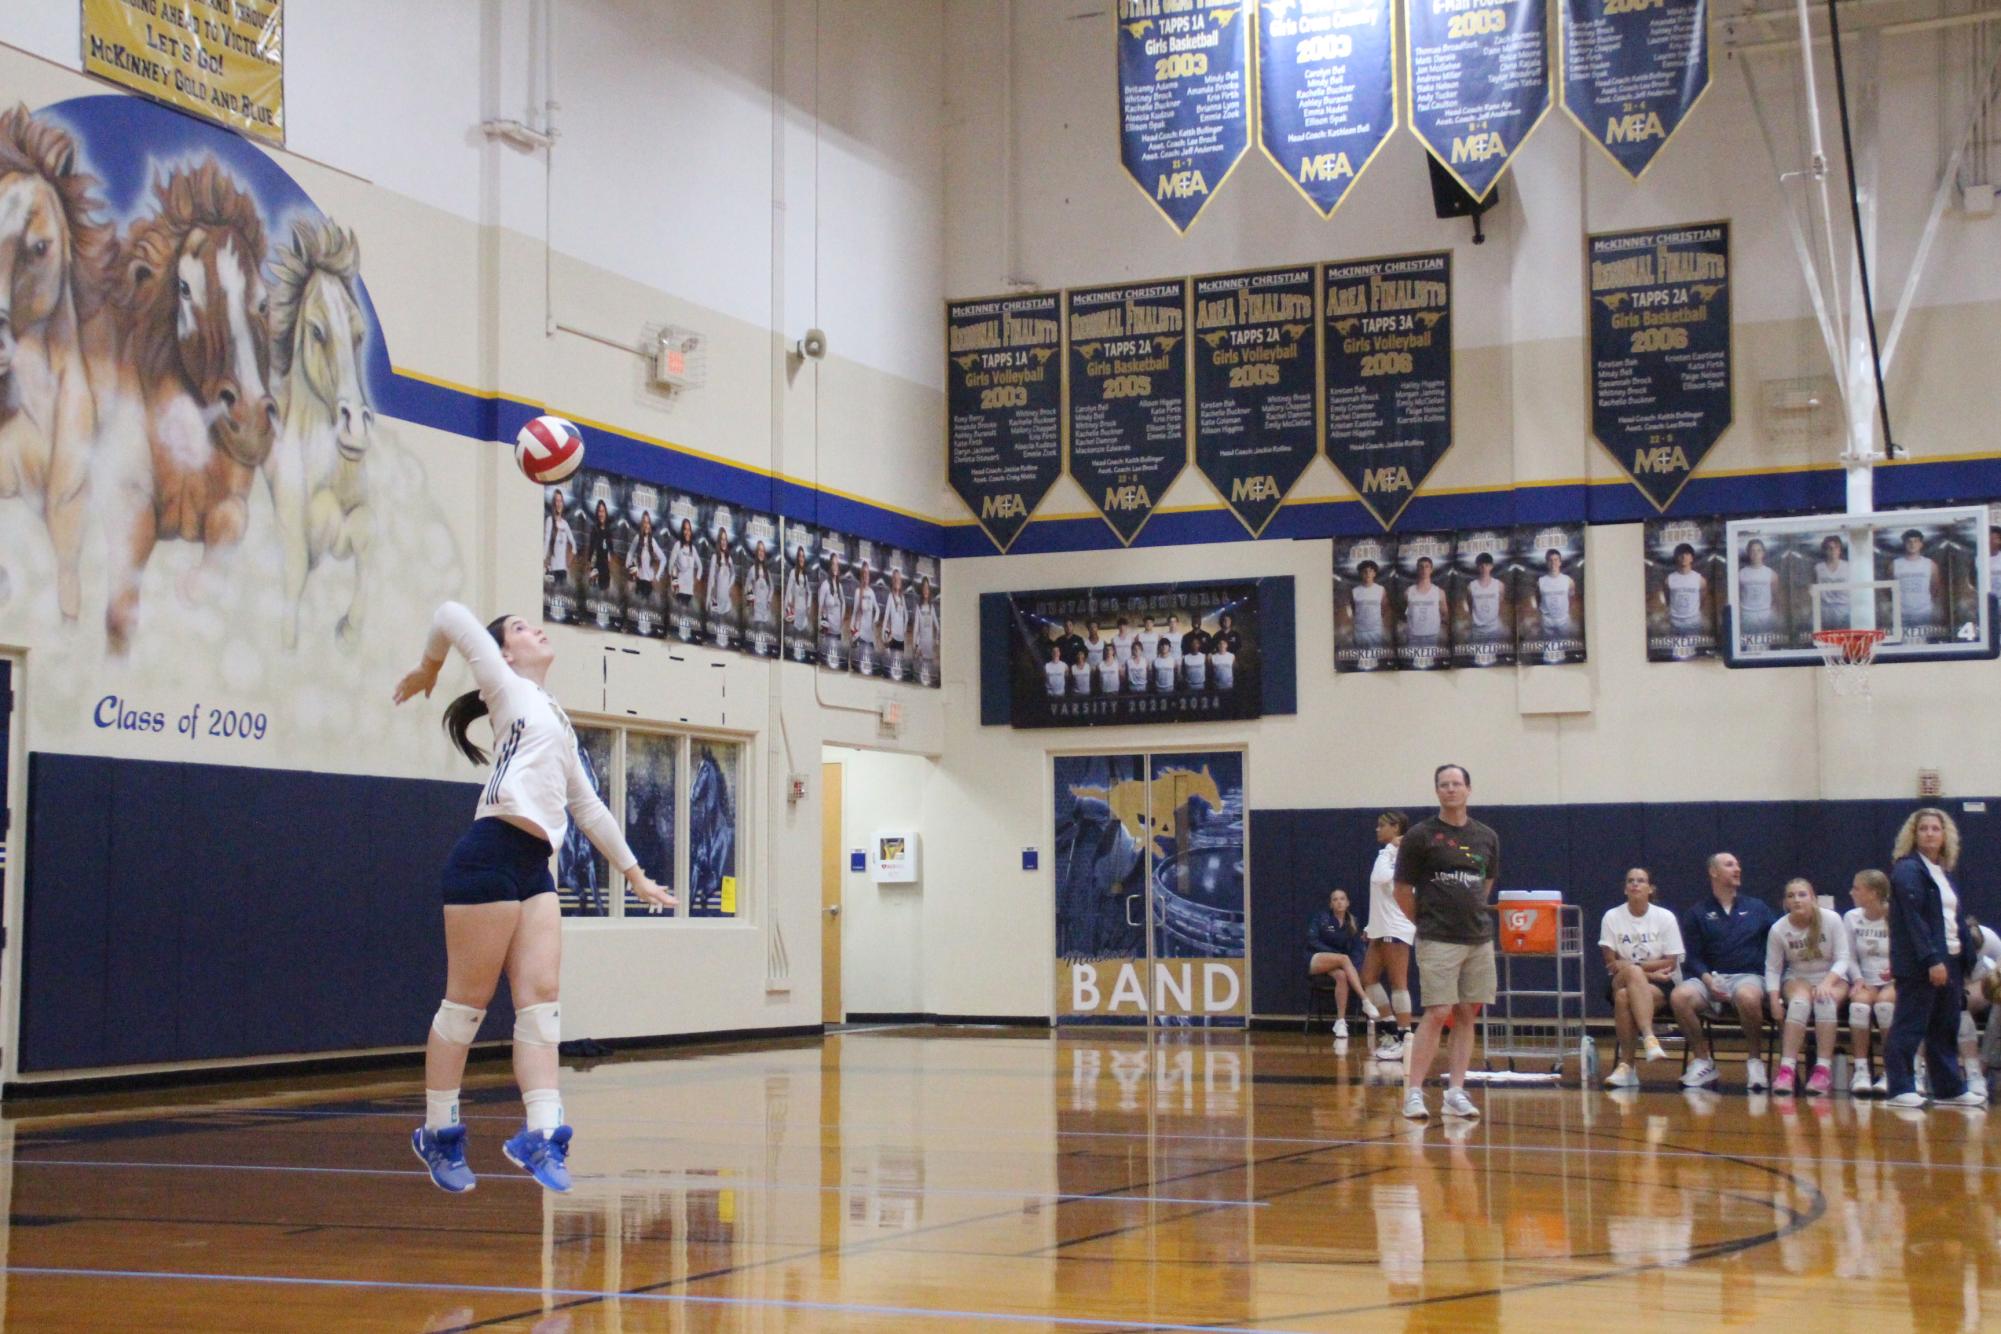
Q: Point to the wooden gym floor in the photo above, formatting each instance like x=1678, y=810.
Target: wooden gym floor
x=928, y=1179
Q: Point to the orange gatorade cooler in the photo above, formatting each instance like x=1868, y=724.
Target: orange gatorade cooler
x=1528, y=921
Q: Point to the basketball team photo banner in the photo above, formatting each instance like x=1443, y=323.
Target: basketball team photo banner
x=1004, y=407
x=1184, y=98
x=1126, y=419
x=1661, y=394
x=1478, y=75
x=1327, y=92
x=221, y=62
x=1388, y=350
x=1255, y=427
x=1632, y=73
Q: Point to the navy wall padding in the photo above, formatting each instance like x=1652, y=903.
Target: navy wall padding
x=180, y=912
x=1276, y=627
x=1298, y=857
x=996, y=660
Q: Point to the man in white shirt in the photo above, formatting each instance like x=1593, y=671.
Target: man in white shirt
x=1149, y=639
x=1055, y=675
x=1757, y=595
x=1684, y=593
x=1164, y=663
x=1830, y=572
x=1918, y=581
x=1367, y=600
x=1423, y=618
x=1483, y=603
x=1095, y=645
x=1195, y=663
x=1080, y=673
x=1136, y=670
x=1223, y=666
x=1553, y=593
x=1111, y=671
x=1122, y=641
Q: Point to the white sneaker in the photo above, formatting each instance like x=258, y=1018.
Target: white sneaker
x=1755, y=1078
x=1882, y=1085
x=1858, y=1082
x=1391, y=1048
x=1340, y=1028
x=1622, y=1077
x=1908, y=1100
x=1413, y=1105
x=1654, y=1051
x=1973, y=1097
x=1458, y=1104
x=1369, y=1010
x=1701, y=1073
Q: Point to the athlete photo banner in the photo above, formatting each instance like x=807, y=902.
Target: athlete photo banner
x=1486, y=576
x=1004, y=405
x=1685, y=574
x=1633, y=71
x=1127, y=411
x=1388, y=349
x=1327, y=91
x=1184, y=98
x=1365, y=614
x=1254, y=387
x=1660, y=351
x=1478, y=74
x=1549, y=625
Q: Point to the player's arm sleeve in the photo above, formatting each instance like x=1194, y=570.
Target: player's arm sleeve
x=452, y=626
x=1775, y=961
x=597, y=822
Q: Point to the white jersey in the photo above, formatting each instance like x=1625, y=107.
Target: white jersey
x=536, y=774
x=1684, y=599
x=868, y=610
x=1368, y=601
x=1163, y=673
x=1868, y=947
x=1386, y=919
x=1122, y=645
x=759, y=587
x=1080, y=679
x=1755, y=585
x=1553, y=598
x=1989, y=958
x=1224, y=665
x=722, y=584
x=1136, y=674
x=1914, y=583
x=798, y=599
x=1834, y=602
x=927, y=629
x=1483, y=600
x=559, y=543
x=1787, y=956
x=1149, y=642
x=683, y=566
x=1654, y=934
x=1109, y=674
x=1195, y=670
x=1057, y=677
x=830, y=606
x=646, y=560
x=1424, y=612
x=896, y=615
x=1094, y=648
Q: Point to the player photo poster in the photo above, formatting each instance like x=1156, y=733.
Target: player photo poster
x=801, y=591
x=722, y=576
x=1933, y=565
x=1550, y=593
x=1632, y=73
x=1485, y=577
x=1685, y=570
x=1761, y=596
x=762, y=577
x=1256, y=337
x=895, y=636
x=1388, y=341
x=1479, y=82
x=1127, y=413
x=866, y=611
x=927, y=631
x=605, y=534
x=562, y=550
x=685, y=563
x=1364, y=615
x=645, y=559
x=1327, y=92
x=1004, y=407
x=830, y=608
x=1184, y=98
x=1424, y=621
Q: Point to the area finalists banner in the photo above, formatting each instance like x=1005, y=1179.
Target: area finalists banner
x=1254, y=386
x=1389, y=375
x=1004, y=397
x=1660, y=351
x=1184, y=98
x=1633, y=71
x=1128, y=399
x=1327, y=92
x=1479, y=82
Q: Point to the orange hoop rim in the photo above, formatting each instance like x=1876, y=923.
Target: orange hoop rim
x=1854, y=646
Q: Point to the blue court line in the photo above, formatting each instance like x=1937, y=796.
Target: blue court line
x=664, y=1298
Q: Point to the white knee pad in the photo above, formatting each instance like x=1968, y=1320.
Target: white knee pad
x=1858, y=1015
x=1400, y=1002
x=457, y=1023
x=1823, y=1010
x=1797, y=1010
x=1885, y=1012
x=538, y=1025
x=1967, y=1031
x=1378, y=997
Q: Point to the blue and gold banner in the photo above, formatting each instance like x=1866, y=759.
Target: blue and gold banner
x=1184, y=98
x=1478, y=74
x=1004, y=404
x=1255, y=336
x=1388, y=349
x=1128, y=397
x=1327, y=91
x=1660, y=351
x=1632, y=71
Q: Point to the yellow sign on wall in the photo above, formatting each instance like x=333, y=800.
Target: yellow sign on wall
x=222, y=60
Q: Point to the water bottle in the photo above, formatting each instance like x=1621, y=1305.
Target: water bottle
x=1587, y=1058
x=1841, y=1072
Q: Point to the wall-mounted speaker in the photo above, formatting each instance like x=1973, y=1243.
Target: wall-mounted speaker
x=1449, y=199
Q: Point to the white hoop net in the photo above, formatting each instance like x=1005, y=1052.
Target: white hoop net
x=1848, y=655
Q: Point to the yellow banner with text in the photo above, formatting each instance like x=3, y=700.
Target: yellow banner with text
x=222, y=60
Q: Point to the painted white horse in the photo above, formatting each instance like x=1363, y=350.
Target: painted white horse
x=318, y=469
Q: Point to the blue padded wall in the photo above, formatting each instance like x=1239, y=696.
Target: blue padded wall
x=180, y=912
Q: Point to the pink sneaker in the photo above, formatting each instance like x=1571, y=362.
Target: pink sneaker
x=1784, y=1083
x=1820, y=1082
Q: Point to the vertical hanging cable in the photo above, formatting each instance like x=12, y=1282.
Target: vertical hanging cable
x=1855, y=214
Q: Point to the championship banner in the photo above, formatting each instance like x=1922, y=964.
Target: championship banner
x=1388, y=348
x=1164, y=653
x=1004, y=400
x=1660, y=351
x=1478, y=73
x=1254, y=387
x=1327, y=91
x=1128, y=399
x=221, y=60
x=1184, y=98
x=1685, y=587
x=1632, y=72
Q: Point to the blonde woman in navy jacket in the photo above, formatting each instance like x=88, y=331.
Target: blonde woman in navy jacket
x=1928, y=992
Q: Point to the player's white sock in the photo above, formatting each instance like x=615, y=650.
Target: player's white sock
x=545, y=1108
x=441, y=1108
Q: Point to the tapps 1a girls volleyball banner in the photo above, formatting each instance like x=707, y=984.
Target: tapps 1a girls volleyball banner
x=1004, y=404
x=1128, y=397
x=1184, y=98
x=1256, y=336
x=1327, y=91
x=1632, y=71
x=1389, y=375
x=1660, y=351
x=1478, y=72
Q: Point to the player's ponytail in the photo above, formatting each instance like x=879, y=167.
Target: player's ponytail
x=469, y=708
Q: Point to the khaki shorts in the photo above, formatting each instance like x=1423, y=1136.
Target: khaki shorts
x=1453, y=974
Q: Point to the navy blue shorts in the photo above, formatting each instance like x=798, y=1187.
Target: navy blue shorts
x=497, y=862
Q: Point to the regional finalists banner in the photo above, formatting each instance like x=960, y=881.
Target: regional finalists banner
x=1388, y=349
x=1478, y=72
x=1660, y=351
x=1004, y=400
x=1255, y=336
x=1184, y=98
x=1327, y=92
x=1633, y=71
x=1128, y=397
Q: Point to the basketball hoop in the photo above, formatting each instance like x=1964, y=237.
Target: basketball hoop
x=1847, y=655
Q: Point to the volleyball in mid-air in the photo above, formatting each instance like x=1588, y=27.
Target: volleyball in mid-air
x=548, y=449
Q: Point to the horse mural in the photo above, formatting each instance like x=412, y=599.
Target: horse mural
x=54, y=252
x=184, y=404
x=316, y=471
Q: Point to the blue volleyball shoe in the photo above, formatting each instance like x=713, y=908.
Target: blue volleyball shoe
x=444, y=1152
x=543, y=1155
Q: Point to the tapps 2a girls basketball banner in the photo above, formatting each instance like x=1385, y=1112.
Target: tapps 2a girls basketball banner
x=1004, y=404
x=1389, y=375
x=1256, y=336
x=1327, y=91
x=1660, y=351
x=222, y=60
x=1184, y=98
x=1128, y=397
x=1632, y=71
x=1478, y=73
